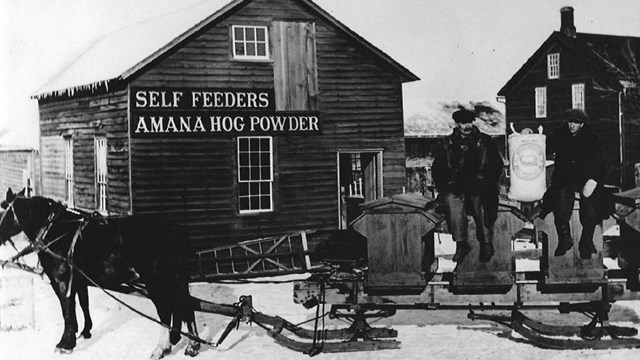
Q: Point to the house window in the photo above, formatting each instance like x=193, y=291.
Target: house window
x=541, y=102
x=255, y=174
x=101, y=174
x=577, y=96
x=68, y=171
x=250, y=42
x=553, y=66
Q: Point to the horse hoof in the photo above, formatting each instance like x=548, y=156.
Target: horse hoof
x=86, y=334
x=159, y=353
x=192, y=349
x=60, y=350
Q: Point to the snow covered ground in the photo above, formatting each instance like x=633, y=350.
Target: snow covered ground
x=27, y=300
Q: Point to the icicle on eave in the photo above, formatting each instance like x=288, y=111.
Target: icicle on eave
x=92, y=87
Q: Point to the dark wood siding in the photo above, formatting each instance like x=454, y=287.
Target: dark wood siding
x=194, y=180
x=601, y=105
x=83, y=119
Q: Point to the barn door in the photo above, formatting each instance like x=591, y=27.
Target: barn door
x=360, y=180
x=295, y=71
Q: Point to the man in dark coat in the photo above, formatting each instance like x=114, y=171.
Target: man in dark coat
x=579, y=168
x=466, y=171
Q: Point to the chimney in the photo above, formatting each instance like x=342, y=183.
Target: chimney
x=566, y=22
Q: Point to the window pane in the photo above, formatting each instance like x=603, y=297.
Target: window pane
x=244, y=188
x=244, y=159
x=251, y=36
x=238, y=33
x=265, y=202
x=260, y=34
x=265, y=159
x=265, y=188
x=251, y=49
x=244, y=174
x=265, y=173
x=261, y=50
x=255, y=158
x=244, y=203
x=254, y=144
x=255, y=203
x=264, y=145
x=244, y=144
x=254, y=188
x=240, y=49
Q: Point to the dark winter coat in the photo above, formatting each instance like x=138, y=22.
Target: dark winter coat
x=470, y=165
x=577, y=158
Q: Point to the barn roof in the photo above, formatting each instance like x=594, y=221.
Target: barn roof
x=608, y=55
x=117, y=56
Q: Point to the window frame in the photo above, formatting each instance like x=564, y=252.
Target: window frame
x=241, y=181
x=541, y=102
x=255, y=42
x=553, y=66
x=578, y=96
x=101, y=173
x=69, y=182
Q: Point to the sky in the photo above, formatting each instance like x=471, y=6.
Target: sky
x=462, y=50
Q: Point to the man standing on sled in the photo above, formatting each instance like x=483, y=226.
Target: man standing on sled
x=466, y=171
x=579, y=169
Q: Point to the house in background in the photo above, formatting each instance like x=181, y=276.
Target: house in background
x=19, y=169
x=593, y=72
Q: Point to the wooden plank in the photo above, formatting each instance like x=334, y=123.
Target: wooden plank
x=570, y=269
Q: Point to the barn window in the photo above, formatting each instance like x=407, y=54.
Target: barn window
x=255, y=174
x=541, y=102
x=553, y=66
x=250, y=42
x=68, y=170
x=101, y=174
x=577, y=96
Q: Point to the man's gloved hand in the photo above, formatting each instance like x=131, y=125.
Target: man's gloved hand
x=589, y=187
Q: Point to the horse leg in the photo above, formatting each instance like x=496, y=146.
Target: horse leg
x=193, y=347
x=164, y=345
x=83, y=299
x=186, y=308
x=176, y=326
x=67, y=303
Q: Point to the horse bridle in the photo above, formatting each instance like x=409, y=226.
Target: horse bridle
x=10, y=208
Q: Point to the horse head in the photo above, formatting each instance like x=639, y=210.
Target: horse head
x=22, y=214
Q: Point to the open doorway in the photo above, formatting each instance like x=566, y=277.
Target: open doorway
x=359, y=181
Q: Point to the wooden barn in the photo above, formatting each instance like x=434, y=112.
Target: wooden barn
x=237, y=119
x=594, y=72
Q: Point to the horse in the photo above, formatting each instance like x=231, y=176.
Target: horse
x=77, y=249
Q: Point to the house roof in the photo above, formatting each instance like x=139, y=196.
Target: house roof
x=608, y=55
x=119, y=55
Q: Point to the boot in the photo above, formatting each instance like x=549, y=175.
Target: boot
x=586, y=248
x=565, y=242
x=462, y=249
x=486, y=252
x=563, y=247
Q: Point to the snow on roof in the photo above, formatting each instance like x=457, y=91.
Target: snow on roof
x=120, y=53
x=123, y=52
x=434, y=118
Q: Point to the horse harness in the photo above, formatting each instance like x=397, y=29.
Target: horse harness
x=39, y=245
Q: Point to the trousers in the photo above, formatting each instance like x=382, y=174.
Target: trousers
x=564, y=209
x=456, y=207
